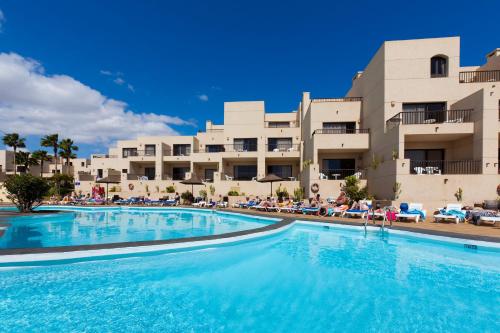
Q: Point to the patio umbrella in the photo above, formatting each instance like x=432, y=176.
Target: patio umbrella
x=194, y=180
x=112, y=179
x=270, y=178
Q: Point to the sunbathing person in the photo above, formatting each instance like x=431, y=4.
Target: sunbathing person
x=342, y=199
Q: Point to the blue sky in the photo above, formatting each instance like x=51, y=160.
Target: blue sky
x=183, y=59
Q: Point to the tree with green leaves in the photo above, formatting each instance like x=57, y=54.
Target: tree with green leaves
x=41, y=156
x=353, y=190
x=26, y=191
x=14, y=141
x=51, y=141
x=68, y=149
x=26, y=160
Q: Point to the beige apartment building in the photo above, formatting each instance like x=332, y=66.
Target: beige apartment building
x=415, y=126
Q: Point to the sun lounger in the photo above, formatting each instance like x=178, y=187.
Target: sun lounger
x=170, y=203
x=222, y=204
x=358, y=212
x=311, y=210
x=451, y=212
x=493, y=219
x=415, y=212
x=200, y=204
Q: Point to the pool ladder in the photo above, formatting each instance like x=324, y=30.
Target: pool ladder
x=386, y=210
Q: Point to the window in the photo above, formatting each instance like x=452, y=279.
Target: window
x=439, y=66
x=179, y=173
x=279, y=144
x=214, y=148
x=245, y=172
x=124, y=171
x=278, y=124
x=339, y=128
x=99, y=173
x=182, y=150
x=149, y=150
x=126, y=152
x=82, y=164
x=283, y=171
x=245, y=144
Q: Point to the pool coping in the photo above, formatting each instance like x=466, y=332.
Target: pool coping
x=9, y=257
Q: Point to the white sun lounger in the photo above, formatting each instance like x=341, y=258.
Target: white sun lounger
x=356, y=213
x=493, y=219
x=200, y=204
x=440, y=217
x=412, y=206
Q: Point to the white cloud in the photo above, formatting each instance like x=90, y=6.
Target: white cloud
x=2, y=20
x=130, y=87
x=33, y=103
x=119, y=81
x=203, y=97
x=105, y=72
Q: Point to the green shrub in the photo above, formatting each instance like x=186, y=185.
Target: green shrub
x=187, y=198
x=170, y=189
x=298, y=194
x=26, y=191
x=211, y=188
x=353, y=190
x=281, y=192
x=233, y=193
x=203, y=194
x=61, y=184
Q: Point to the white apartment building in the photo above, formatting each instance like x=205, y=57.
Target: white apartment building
x=415, y=126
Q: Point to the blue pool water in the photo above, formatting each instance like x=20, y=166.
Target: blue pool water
x=306, y=279
x=98, y=226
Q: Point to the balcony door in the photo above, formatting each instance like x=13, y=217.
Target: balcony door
x=245, y=144
x=150, y=173
x=339, y=168
x=422, y=113
x=423, y=158
x=279, y=144
x=245, y=172
x=339, y=128
x=283, y=171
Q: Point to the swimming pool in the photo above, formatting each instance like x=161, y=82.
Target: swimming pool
x=304, y=279
x=84, y=226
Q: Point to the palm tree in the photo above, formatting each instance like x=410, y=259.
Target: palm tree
x=51, y=141
x=24, y=159
x=42, y=156
x=13, y=140
x=67, y=150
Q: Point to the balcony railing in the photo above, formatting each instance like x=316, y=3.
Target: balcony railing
x=240, y=147
x=282, y=147
x=341, y=131
x=339, y=99
x=339, y=174
x=479, y=76
x=133, y=176
x=430, y=117
x=465, y=167
x=139, y=153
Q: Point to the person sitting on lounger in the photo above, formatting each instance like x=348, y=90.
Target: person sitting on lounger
x=342, y=199
x=361, y=205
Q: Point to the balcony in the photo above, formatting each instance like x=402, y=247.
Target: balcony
x=339, y=99
x=132, y=176
x=135, y=153
x=341, y=131
x=282, y=148
x=281, y=124
x=479, y=76
x=429, y=117
x=463, y=167
x=340, y=174
x=240, y=148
